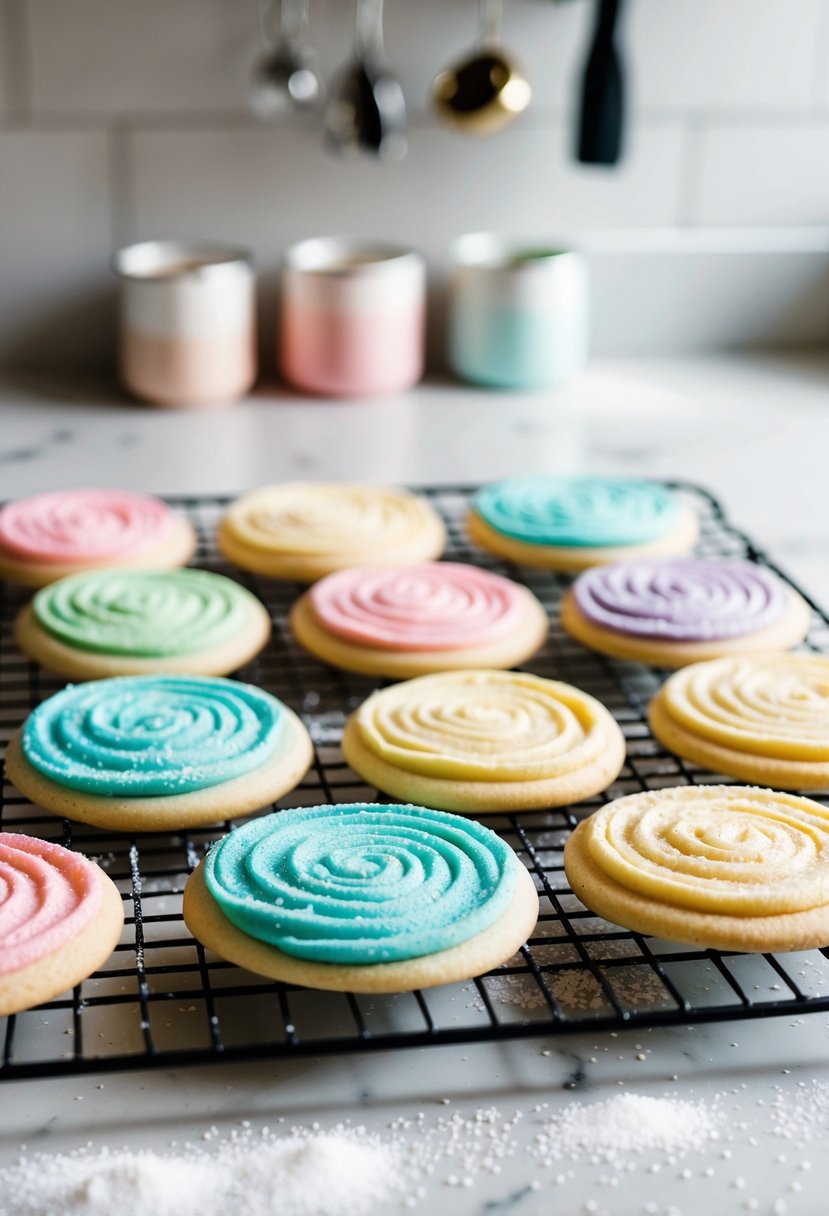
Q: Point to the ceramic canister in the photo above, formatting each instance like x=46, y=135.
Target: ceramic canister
x=188, y=322
x=518, y=313
x=353, y=317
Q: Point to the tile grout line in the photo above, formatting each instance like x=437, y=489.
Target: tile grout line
x=553, y=120
x=120, y=168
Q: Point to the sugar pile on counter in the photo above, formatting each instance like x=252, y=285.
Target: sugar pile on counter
x=337, y=1173
x=627, y=1123
x=804, y=1117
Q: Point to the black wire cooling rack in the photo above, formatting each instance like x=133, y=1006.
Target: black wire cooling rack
x=162, y=1000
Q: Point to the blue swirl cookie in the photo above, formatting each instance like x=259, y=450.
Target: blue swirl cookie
x=572, y=523
x=158, y=753
x=363, y=897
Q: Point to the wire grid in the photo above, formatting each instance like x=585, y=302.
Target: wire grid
x=162, y=1000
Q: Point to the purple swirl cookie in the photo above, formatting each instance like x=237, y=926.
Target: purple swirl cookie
x=684, y=599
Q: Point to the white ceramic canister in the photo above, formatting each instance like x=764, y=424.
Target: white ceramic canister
x=518, y=312
x=188, y=322
x=352, y=321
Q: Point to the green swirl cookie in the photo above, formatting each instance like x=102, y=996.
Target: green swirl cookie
x=147, y=614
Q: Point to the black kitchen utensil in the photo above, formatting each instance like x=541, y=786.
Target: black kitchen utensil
x=601, y=118
x=367, y=109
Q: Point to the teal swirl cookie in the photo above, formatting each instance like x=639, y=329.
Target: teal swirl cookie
x=363, y=897
x=128, y=622
x=141, y=753
x=571, y=523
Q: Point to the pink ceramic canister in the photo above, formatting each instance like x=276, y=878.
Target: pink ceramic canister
x=188, y=322
x=353, y=317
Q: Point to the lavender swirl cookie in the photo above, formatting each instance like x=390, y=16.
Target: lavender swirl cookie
x=674, y=611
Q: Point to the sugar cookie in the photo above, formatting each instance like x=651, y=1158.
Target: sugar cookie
x=717, y=866
x=571, y=523
x=670, y=611
x=49, y=536
x=406, y=621
x=158, y=753
x=306, y=530
x=484, y=741
x=131, y=622
x=60, y=919
x=762, y=718
x=362, y=898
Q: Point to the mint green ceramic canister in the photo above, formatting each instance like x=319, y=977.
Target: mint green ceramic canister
x=518, y=312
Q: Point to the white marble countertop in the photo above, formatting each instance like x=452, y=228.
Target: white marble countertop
x=754, y=430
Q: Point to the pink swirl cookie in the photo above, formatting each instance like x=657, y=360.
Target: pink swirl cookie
x=60, y=918
x=403, y=621
x=670, y=611
x=51, y=535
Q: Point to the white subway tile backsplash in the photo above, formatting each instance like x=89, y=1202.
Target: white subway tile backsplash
x=54, y=244
x=680, y=299
x=821, y=78
x=722, y=54
x=272, y=187
x=119, y=57
x=128, y=118
x=122, y=57
x=195, y=55
x=775, y=174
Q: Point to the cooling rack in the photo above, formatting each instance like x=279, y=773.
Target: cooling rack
x=162, y=1000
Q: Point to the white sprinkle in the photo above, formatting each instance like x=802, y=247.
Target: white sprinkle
x=322, y=1174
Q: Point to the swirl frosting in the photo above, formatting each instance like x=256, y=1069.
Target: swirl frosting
x=731, y=850
x=681, y=599
x=362, y=883
x=326, y=519
x=150, y=614
x=432, y=606
x=484, y=726
x=83, y=525
x=771, y=705
x=578, y=511
x=140, y=736
x=47, y=895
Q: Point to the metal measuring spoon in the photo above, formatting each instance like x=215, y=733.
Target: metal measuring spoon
x=367, y=109
x=285, y=78
x=486, y=90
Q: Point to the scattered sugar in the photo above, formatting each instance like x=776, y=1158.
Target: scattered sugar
x=628, y=1123
x=337, y=1173
x=577, y=990
x=519, y=991
x=804, y=1121
x=348, y=1171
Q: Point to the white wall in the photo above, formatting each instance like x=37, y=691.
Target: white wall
x=122, y=119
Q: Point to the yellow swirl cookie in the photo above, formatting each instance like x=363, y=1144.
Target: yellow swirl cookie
x=761, y=718
x=484, y=741
x=307, y=530
x=725, y=867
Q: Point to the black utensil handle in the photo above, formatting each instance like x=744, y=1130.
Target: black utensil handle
x=601, y=121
